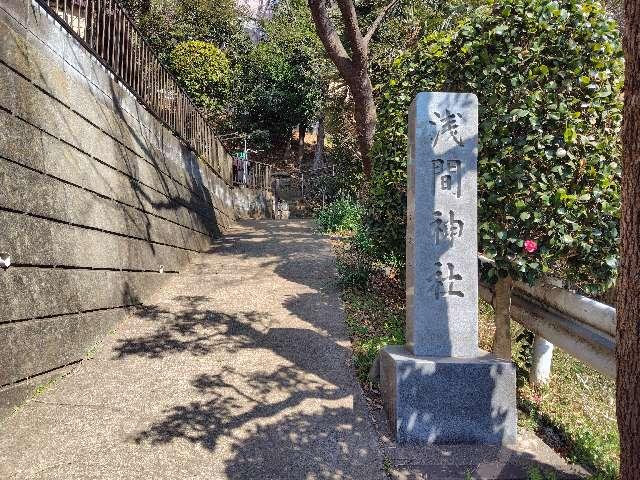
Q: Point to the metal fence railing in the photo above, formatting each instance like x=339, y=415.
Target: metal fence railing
x=582, y=327
x=105, y=29
x=251, y=174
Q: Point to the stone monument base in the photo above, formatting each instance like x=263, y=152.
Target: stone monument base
x=448, y=400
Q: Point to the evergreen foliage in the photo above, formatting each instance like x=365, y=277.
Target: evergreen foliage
x=204, y=72
x=343, y=215
x=548, y=75
x=166, y=23
x=280, y=81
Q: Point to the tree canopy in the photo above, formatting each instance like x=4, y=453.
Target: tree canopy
x=281, y=81
x=204, y=71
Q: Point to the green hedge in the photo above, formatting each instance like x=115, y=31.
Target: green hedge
x=548, y=75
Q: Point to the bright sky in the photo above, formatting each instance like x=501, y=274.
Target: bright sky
x=257, y=6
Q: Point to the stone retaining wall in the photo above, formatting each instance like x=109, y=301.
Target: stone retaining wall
x=249, y=203
x=99, y=202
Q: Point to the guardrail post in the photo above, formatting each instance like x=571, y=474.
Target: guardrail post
x=502, y=318
x=542, y=353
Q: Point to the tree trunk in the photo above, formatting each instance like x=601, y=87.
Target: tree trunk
x=302, y=132
x=353, y=66
x=318, y=158
x=287, y=150
x=502, y=308
x=628, y=304
x=365, y=117
x=145, y=7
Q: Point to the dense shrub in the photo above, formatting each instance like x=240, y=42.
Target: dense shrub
x=356, y=262
x=279, y=83
x=548, y=76
x=343, y=215
x=204, y=72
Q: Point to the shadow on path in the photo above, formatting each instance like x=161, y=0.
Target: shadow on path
x=280, y=403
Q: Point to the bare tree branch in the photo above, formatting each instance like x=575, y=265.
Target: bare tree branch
x=330, y=38
x=376, y=23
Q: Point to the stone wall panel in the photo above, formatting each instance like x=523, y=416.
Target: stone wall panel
x=97, y=198
x=31, y=347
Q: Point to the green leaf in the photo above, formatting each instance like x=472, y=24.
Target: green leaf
x=570, y=135
x=548, y=128
x=500, y=29
x=519, y=112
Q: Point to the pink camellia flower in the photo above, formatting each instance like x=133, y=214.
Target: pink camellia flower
x=530, y=246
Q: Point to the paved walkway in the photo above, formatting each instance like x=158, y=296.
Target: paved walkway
x=239, y=368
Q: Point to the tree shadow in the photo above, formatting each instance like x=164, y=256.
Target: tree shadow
x=225, y=408
x=291, y=249
x=294, y=447
x=286, y=419
x=191, y=329
x=199, y=331
x=286, y=427
x=200, y=200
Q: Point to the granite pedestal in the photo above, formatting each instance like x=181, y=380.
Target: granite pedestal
x=448, y=400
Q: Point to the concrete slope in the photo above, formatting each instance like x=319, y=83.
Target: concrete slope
x=238, y=368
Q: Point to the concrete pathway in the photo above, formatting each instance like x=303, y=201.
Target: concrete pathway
x=239, y=368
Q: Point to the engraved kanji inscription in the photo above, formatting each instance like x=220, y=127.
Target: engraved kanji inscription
x=444, y=284
x=446, y=229
x=449, y=178
x=447, y=123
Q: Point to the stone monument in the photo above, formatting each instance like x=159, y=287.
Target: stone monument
x=440, y=387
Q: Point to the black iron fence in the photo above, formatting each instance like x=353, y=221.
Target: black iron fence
x=105, y=29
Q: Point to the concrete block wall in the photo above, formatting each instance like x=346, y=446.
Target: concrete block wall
x=249, y=203
x=99, y=202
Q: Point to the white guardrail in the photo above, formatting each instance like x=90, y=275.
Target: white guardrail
x=580, y=326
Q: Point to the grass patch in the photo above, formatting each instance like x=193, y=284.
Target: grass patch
x=371, y=326
x=91, y=352
x=575, y=412
x=43, y=387
x=374, y=306
x=536, y=474
x=342, y=215
x=38, y=391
